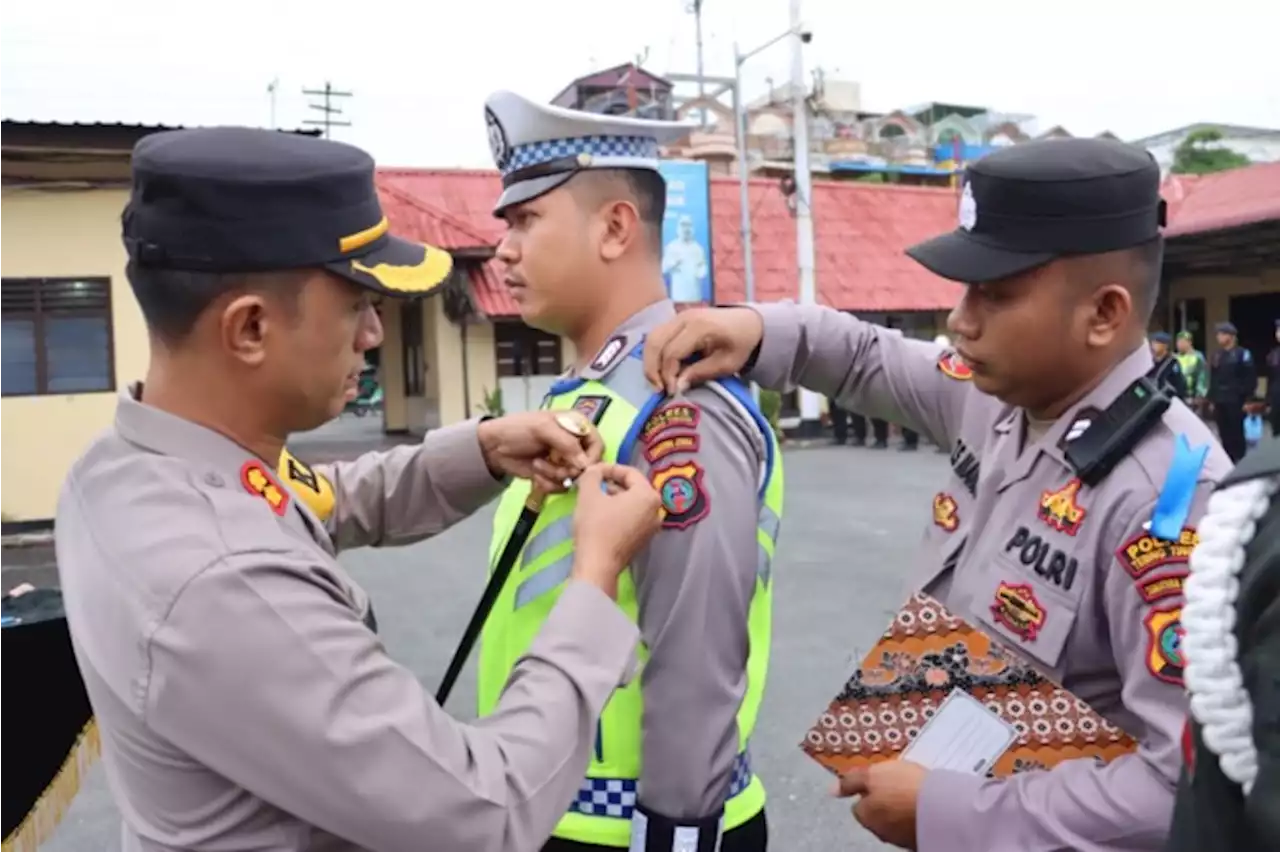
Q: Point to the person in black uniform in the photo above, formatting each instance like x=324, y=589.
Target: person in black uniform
x=839, y=422
x=879, y=429
x=1273, y=384
x=1167, y=371
x=1229, y=793
x=1233, y=378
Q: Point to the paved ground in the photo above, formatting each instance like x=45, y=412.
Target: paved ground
x=853, y=519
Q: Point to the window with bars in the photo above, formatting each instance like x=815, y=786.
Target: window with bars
x=524, y=351
x=56, y=336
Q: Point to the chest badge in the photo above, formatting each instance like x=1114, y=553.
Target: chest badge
x=946, y=513
x=1061, y=509
x=592, y=407
x=259, y=483
x=1017, y=608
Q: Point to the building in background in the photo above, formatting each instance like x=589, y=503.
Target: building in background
x=923, y=145
x=1254, y=144
x=73, y=334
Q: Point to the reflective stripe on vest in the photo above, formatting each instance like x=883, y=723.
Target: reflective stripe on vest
x=616, y=797
x=600, y=813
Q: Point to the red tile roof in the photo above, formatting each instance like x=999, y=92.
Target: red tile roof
x=491, y=295
x=467, y=194
x=1214, y=202
x=860, y=231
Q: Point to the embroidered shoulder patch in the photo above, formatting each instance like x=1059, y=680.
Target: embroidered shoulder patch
x=1061, y=510
x=1144, y=552
x=609, y=353
x=1017, y=608
x=259, y=483
x=669, y=445
x=1162, y=586
x=310, y=487
x=952, y=366
x=945, y=512
x=670, y=416
x=592, y=407
x=1164, y=644
x=684, y=500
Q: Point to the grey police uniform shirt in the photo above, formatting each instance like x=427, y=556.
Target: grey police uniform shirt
x=694, y=584
x=1005, y=516
x=243, y=700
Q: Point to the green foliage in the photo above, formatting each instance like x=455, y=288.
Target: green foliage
x=771, y=407
x=492, y=404
x=1200, y=154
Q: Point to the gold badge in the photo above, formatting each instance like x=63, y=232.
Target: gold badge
x=946, y=512
x=1017, y=608
x=1060, y=509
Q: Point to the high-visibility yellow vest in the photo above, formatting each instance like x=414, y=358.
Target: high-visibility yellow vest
x=622, y=402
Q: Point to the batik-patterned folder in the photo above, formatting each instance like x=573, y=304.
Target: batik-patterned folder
x=925, y=655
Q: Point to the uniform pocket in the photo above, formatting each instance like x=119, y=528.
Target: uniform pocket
x=1026, y=611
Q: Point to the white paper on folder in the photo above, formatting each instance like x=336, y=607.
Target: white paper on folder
x=963, y=736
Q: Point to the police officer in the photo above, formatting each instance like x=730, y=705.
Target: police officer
x=1230, y=787
x=584, y=203
x=1194, y=370
x=1232, y=383
x=1273, y=383
x=243, y=696
x=1167, y=372
x=1077, y=491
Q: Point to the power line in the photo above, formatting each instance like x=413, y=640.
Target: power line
x=328, y=121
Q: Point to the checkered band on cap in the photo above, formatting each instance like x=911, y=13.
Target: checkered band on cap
x=616, y=797
x=599, y=147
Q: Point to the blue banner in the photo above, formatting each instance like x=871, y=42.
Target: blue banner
x=686, y=232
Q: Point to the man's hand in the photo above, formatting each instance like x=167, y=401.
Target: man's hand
x=617, y=513
x=534, y=445
x=725, y=337
x=888, y=793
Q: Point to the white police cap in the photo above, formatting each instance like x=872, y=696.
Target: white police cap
x=538, y=147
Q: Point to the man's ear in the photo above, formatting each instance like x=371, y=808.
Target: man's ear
x=1112, y=307
x=243, y=325
x=622, y=229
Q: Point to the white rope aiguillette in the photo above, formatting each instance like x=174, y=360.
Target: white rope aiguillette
x=1212, y=675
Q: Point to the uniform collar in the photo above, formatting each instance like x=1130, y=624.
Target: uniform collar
x=166, y=434
x=625, y=338
x=222, y=461
x=1134, y=366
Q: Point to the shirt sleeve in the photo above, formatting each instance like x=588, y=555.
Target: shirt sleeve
x=299, y=704
x=412, y=492
x=1079, y=804
x=865, y=368
x=695, y=582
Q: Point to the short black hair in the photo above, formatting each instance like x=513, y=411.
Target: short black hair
x=647, y=188
x=1137, y=268
x=172, y=300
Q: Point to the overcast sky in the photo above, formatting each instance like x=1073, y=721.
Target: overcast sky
x=420, y=71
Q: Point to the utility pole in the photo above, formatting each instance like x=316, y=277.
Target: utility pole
x=810, y=423
x=696, y=8
x=328, y=93
x=271, y=92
